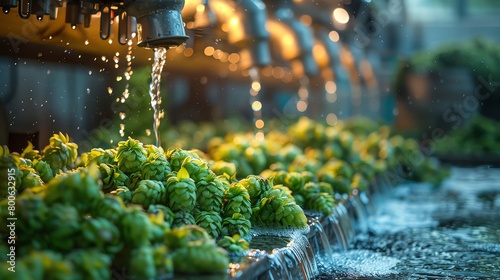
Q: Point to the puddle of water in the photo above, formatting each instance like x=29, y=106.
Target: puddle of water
x=424, y=233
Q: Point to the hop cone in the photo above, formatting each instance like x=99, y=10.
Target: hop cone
x=149, y=192
x=43, y=169
x=124, y=193
x=156, y=167
x=181, y=194
x=222, y=167
x=101, y=233
x=338, y=168
x=308, y=176
x=163, y=261
x=29, y=179
x=198, y=170
x=130, y=155
x=236, y=224
x=111, y=177
x=203, y=258
x=98, y=156
x=255, y=185
x=168, y=215
x=79, y=188
x=152, y=149
x=256, y=158
x=62, y=226
x=90, y=264
x=235, y=245
x=209, y=195
x=135, y=227
x=142, y=264
x=133, y=180
x=60, y=153
x=43, y=265
x=182, y=218
x=30, y=153
x=277, y=208
x=339, y=184
x=110, y=208
x=292, y=180
x=177, y=156
x=326, y=188
x=237, y=200
x=158, y=226
x=317, y=200
x=8, y=167
x=210, y=221
x=31, y=212
x=184, y=236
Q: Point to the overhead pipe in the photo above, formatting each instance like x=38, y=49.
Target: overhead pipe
x=282, y=14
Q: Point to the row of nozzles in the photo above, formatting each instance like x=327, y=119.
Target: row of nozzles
x=253, y=24
x=156, y=23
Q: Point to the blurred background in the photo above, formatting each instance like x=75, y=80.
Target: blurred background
x=424, y=67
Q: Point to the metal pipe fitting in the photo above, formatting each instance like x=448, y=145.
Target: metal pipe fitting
x=159, y=22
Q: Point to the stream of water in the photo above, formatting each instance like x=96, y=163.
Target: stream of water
x=154, y=90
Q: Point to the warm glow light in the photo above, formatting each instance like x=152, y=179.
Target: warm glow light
x=301, y=106
x=331, y=119
x=200, y=8
x=259, y=136
x=334, y=36
x=278, y=72
x=256, y=106
x=188, y=52
x=321, y=55
x=330, y=87
x=233, y=67
x=303, y=93
x=209, y=51
x=341, y=15
x=306, y=20
x=256, y=86
x=234, y=58
x=331, y=97
x=259, y=124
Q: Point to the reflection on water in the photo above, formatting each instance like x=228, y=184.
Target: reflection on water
x=420, y=232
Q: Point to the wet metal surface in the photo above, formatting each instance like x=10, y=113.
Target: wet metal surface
x=422, y=232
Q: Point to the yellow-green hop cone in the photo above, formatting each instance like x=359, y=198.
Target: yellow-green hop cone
x=80, y=189
x=235, y=245
x=31, y=213
x=111, y=208
x=236, y=224
x=98, y=156
x=44, y=265
x=181, y=193
x=176, y=157
x=255, y=185
x=156, y=167
x=111, y=177
x=359, y=182
x=43, y=169
x=133, y=180
x=130, y=155
x=209, y=195
x=60, y=154
x=237, y=200
x=163, y=261
x=210, y=221
x=142, y=263
x=277, y=208
x=90, y=264
x=184, y=236
x=61, y=227
x=102, y=234
x=9, y=171
x=135, y=227
x=256, y=158
x=29, y=179
x=149, y=192
x=30, y=154
x=198, y=170
x=220, y=167
x=326, y=188
x=124, y=193
x=204, y=258
x=182, y=219
x=168, y=215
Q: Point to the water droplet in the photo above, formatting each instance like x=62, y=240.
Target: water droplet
x=86, y=42
x=6, y=10
x=88, y=90
x=39, y=17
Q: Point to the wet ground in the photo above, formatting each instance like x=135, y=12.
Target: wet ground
x=422, y=232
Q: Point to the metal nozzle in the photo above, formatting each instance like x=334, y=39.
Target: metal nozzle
x=159, y=22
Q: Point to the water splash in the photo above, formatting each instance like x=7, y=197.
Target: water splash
x=300, y=253
x=320, y=244
x=154, y=90
x=342, y=216
x=335, y=232
x=256, y=104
